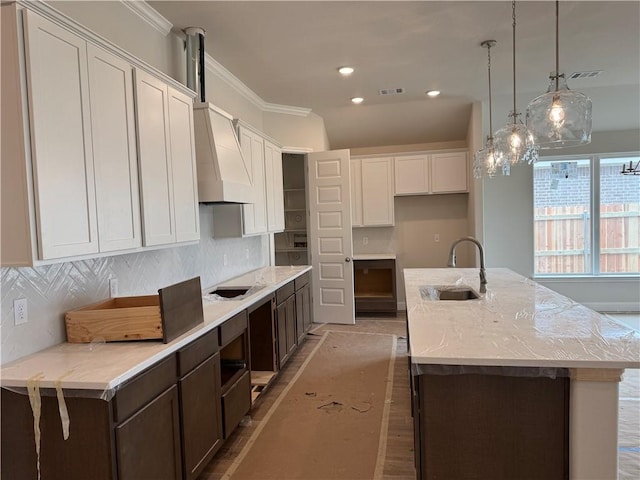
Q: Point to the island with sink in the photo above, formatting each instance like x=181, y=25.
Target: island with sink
x=517, y=382
x=147, y=409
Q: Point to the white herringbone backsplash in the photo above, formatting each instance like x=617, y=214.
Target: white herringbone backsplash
x=52, y=290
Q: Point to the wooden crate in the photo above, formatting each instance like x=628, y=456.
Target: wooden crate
x=117, y=319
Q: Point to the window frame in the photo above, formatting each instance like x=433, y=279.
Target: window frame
x=594, y=221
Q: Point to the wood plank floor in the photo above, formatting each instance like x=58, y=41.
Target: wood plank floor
x=399, y=457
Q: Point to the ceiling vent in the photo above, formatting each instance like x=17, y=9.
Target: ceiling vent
x=591, y=74
x=391, y=91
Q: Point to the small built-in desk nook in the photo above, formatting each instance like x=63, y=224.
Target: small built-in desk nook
x=375, y=283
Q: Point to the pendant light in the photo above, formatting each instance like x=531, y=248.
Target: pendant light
x=485, y=161
x=514, y=142
x=561, y=117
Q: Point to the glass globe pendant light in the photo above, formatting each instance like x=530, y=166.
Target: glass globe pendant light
x=561, y=117
x=486, y=162
x=514, y=142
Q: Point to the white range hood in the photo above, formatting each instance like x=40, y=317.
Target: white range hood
x=223, y=175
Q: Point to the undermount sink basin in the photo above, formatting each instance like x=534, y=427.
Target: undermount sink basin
x=230, y=292
x=436, y=293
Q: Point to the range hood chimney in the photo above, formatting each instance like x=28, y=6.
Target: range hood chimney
x=223, y=175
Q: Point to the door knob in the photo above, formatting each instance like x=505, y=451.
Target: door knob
x=347, y=259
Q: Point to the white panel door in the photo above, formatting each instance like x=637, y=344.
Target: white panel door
x=57, y=76
x=377, y=192
x=330, y=243
x=449, y=172
x=156, y=177
x=114, y=151
x=183, y=167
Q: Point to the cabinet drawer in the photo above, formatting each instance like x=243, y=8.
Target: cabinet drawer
x=236, y=403
x=197, y=351
x=301, y=281
x=233, y=327
x=141, y=389
x=284, y=292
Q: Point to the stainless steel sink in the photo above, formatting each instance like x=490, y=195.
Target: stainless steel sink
x=438, y=292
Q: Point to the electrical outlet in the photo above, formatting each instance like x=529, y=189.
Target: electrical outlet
x=113, y=287
x=246, y=253
x=365, y=240
x=436, y=237
x=20, y=311
x=225, y=260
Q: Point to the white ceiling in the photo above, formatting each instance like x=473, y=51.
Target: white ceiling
x=288, y=52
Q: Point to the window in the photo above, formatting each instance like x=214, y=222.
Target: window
x=586, y=216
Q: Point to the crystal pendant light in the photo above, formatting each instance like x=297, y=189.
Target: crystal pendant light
x=485, y=161
x=561, y=117
x=514, y=142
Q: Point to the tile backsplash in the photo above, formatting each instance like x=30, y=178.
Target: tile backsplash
x=54, y=289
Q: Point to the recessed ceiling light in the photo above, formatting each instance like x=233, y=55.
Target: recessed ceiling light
x=357, y=100
x=346, y=71
x=433, y=93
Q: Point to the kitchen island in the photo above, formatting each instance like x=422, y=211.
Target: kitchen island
x=525, y=376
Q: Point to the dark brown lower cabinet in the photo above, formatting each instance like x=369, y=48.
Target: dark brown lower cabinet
x=491, y=427
x=148, y=443
x=286, y=326
x=201, y=416
x=303, y=311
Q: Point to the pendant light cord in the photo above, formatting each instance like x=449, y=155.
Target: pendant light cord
x=513, y=8
x=557, y=44
x=489, y=74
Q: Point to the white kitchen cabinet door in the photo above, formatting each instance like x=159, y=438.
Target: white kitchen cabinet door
x=356, y=192
x=58, y=89
x=412, y=175
x=274, y=187
x=114, y=150
x=254, y=215
x=156, y=177
x=377, y=192
x=449, y=172
x=183, y=167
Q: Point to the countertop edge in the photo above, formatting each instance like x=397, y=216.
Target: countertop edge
x=171, y=347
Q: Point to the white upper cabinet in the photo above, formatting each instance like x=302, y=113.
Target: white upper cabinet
x=114, y=151
x=156, y=177
x=183, y=167
x=87, y=171
x=60, y=125
x=274, y=187
x=411, y=174
x=449, y=172
x=372, y=192
x=168, y=174
x=431, y=173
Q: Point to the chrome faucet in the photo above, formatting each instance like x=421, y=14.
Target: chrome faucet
x=452, y=260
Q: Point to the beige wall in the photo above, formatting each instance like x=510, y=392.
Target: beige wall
x=297, y=131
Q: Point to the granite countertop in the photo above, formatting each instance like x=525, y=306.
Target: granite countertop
x=516, y=323
x=104, y=366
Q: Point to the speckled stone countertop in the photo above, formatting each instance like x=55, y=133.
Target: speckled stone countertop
x=516, y=323
x=102, y=367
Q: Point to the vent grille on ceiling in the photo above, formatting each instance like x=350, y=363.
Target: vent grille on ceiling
x=391, y=91
x=591, y=74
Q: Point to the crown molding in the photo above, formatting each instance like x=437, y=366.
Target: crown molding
x=149, y=15
x=234, y=82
